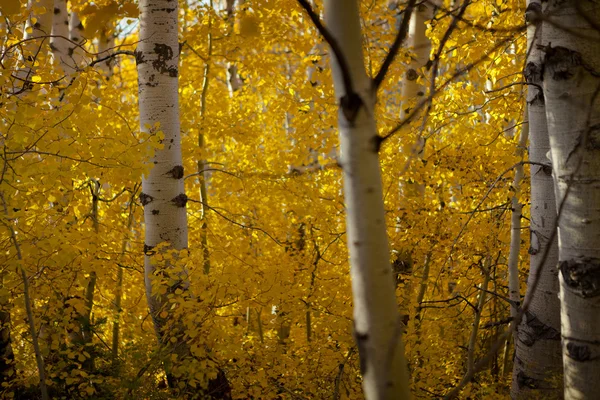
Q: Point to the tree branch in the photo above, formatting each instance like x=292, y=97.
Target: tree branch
x=402, y=32
x=335, y=47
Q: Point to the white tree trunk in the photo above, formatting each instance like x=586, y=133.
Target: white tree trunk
x=376, y=321
x=76, y=40
x=571, y=84
x=515, y=225
x=59, y=42
x=33, y=50
x=537, y=366
x=420, y=44
x=163, y=195
x=106, y=46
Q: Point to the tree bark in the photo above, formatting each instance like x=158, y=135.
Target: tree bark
x=377, y=327
x=537, y=365
x=571, y=83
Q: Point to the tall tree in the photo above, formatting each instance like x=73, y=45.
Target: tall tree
x=571, y=82
x=163, y=195
x=377, y=326
x=538, y=366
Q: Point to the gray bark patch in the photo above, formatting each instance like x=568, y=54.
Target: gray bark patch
x=582, y=276
x=593, y=138
x=578, y=352
x=533, y=330
x=525, y=381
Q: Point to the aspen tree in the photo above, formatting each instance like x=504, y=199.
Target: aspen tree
x=571, y=81
x=163, y=195
x=537, y=364
x=377, y=327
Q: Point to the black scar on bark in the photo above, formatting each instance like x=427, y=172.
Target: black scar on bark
x=80, y=26
x=536, y=330
x=578, y=352
x=533, y=13
x=582, y=276
x=56, y=10
x=155, y=212
x=547, y=169
x=148, y=250
x=180, y=200
x=145, y=198
x=350, y=104
x=560, y=62
x=412, y=74
x=139, y=57
x=377, y=140
x=176, y=172
x=533, y=72
x=164, y=53
x=524, y=381
x=361, y=339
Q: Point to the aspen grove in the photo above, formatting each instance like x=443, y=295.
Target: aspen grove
x=299, y=199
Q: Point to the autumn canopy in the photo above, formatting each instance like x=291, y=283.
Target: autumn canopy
x=299, y=199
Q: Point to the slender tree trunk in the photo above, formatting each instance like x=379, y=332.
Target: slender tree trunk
x=163, y=195
x=377, y=327
x=201, y=145
x=59, y=42
x=106, y=46
x=571, y=83
x=86, y=330
x=514, y=293
x=412, y=88
x=28, y=304
x=537, y=366
x=119, y=288
x=76, y=40
x=33, y=50
x=7, y=357
x=472, y=346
